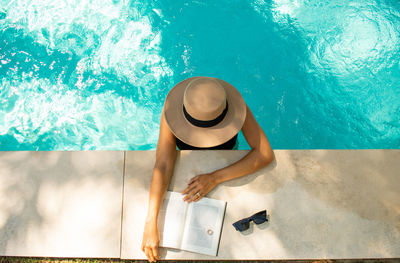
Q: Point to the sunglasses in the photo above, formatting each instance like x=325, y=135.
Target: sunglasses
x=257, y=218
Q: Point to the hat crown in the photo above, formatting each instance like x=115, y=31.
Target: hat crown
x=204, y=99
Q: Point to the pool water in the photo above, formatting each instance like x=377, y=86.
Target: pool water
x=93, y=75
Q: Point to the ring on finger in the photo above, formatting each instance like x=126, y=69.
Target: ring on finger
x=198, y=195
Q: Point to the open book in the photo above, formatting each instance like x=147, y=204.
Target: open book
x=194, y=227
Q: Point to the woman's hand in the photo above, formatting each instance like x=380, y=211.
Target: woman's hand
x=151, y=241
x=198, y=187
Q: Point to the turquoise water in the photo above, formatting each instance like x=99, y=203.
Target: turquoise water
x=86, y=75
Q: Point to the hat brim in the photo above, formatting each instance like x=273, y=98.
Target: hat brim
x=198, y=136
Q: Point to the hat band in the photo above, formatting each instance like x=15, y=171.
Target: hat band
x=205, y=124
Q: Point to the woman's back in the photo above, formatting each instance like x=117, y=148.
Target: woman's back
x=231, y=144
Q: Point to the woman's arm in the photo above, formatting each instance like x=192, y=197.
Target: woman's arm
x=162, y=173
x=260, y=155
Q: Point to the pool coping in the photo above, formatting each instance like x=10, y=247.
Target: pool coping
x=302, y=163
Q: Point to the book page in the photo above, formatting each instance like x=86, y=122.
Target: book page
x=171, y=220
x=203, y=226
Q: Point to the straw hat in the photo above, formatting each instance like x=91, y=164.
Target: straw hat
x=204, y=111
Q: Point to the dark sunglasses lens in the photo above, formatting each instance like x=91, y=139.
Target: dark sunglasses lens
x=241, y=225
x=260, y=217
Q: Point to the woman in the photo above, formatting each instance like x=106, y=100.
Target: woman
x=201, y=113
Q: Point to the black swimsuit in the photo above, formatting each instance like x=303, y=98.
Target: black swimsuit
x=229, y=145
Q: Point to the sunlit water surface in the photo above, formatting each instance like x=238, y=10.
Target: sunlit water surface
x=85, y=75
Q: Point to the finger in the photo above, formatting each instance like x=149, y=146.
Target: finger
x=142, y=247
x=198, y=198
x=193, y=179
x=189, y=188
x=155, y=253
x=192, y=192
x=195, y=198
x=195, y=195
x=149, y=254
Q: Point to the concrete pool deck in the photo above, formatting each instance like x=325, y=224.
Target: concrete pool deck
x=321, y=203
